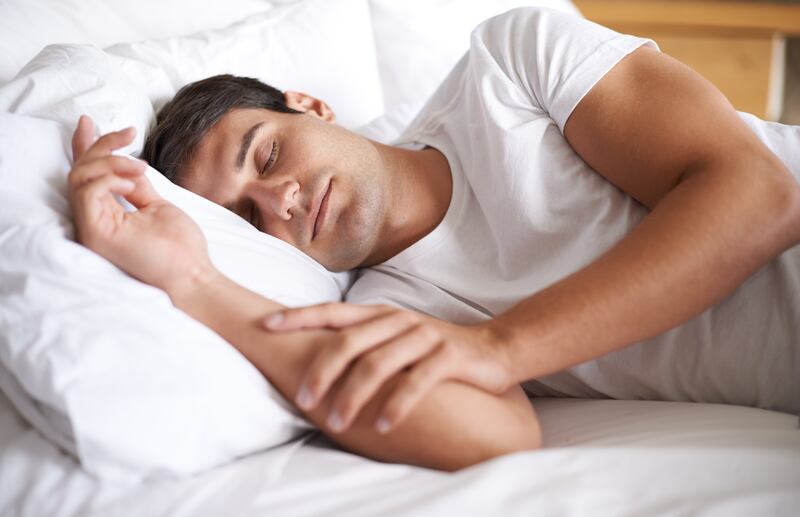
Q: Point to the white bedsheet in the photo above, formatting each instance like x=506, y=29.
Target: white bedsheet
x=602, y=457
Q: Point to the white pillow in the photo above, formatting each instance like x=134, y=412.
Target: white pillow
x=321, y=47
x=26, y=26
x=101, y=363
x=418, y=42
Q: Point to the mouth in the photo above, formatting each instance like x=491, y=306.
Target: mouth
x=321, y=210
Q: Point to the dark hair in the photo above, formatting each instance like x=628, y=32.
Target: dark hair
x=184, y=121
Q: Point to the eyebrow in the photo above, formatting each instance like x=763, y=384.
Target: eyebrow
x=247, y=139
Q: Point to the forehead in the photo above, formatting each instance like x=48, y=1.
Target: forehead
x=229, y=129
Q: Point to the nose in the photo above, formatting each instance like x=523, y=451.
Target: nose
x=280, y=197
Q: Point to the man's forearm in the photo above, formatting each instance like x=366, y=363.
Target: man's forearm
x=705, y=237
x=454, y=426
x=230, y=310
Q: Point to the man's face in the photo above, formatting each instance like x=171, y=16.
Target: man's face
x=289, y=173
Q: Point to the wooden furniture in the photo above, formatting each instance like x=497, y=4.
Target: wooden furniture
x=740, y=46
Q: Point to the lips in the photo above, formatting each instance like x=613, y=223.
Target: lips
x=321, y=210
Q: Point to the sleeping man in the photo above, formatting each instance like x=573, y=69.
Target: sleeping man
x=572, y=211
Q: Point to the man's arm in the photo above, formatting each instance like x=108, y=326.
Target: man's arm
x=454, y=426
x=722, y=206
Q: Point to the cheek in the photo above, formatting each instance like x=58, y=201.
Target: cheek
x=356, y=231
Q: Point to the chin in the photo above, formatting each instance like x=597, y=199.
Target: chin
x=343, y=259
x=338, y=264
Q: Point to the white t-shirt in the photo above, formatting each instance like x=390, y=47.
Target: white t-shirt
x=526, y=211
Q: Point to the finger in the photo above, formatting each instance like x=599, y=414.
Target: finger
x=97, y=214
x=82, y=138
x=110, y=183
x=332, y=360
x=330, y=315
x=372, y=370
x=410, y=390
x=88, y=200
x=88, y=171
x=109, y=142
x=143, y=194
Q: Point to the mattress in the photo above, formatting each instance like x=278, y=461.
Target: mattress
x=601, y=457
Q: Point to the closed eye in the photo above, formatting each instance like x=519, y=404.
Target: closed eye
x=273, y=155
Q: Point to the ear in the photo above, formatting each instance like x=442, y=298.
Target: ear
x=310, y=105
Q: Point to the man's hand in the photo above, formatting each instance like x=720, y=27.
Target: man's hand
x=379, y=341
x=158, y=244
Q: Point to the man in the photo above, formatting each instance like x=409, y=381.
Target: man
x=567, y=192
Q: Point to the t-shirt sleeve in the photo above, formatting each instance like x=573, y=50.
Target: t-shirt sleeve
x=554, y=57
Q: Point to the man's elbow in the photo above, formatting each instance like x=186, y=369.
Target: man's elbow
x=785, y=203
x=765, y=192
x=525, y=437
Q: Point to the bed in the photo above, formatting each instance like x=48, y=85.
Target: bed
x=601, y=457
x=97, y=417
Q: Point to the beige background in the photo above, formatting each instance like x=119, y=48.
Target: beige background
x=791, y=100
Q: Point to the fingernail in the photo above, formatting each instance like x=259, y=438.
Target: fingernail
x=335, y=421
x=304, y=398
x=128, y=184
x=273, y=320
x=383, y=425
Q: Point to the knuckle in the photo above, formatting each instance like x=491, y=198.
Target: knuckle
x=371, y=366
x=346, y=345
x=78, y=173
x=449, y=349
x=407, y=317
x=428, y=332
x=412, y=380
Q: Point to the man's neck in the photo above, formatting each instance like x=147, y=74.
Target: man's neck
x=420, y=187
